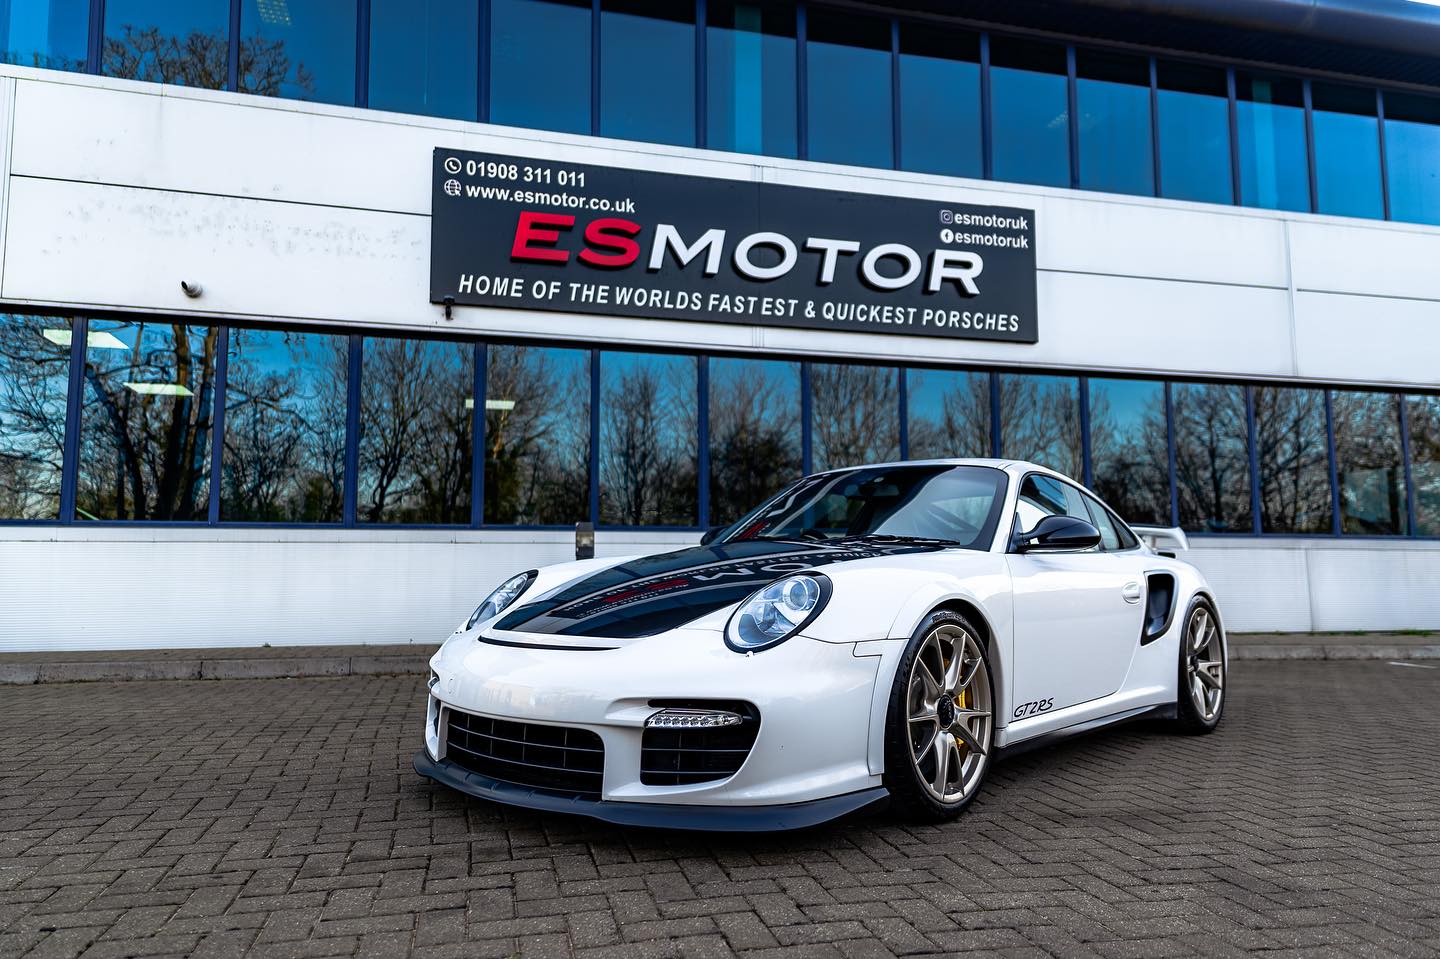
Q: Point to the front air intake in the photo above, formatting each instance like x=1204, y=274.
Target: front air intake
x=677, y=752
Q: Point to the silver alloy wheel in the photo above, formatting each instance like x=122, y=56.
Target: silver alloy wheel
x=1205, y=664
x=951, y=716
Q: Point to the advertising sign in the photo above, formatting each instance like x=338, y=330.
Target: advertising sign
x=547, y=235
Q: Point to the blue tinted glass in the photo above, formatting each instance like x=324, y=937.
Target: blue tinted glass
x=284, y=444
x=1347, y=151
x=754, y=433
x=1113, y=106
x=302, y=51
x=1030, y=114
x=537, y=435
x=647, y=71
x=1294, y=460
x=45, y=33
x=1425, y=462
x=940, y=102
x=34, y=376
x=1412, y=142
x=1368, y=463
x=1040, y=421
x=1128, y=449
x=1274, y=172
x=949, y=412
x=525, y=34
x=1194, y=119
x=168, y=42
x=855, y=415
x=422, y=57
x=750, y=65
x=848, y=79
x=649, y=440
x=1212, y=460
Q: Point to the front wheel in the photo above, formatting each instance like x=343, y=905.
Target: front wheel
x=940, y=726
x=1201, y=696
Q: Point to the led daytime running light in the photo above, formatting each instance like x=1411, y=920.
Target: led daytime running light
x=693, y=719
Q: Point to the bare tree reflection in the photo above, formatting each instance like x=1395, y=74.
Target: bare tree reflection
x=1129, y=454
x=856, y=419
x=201, y=59
x=963, y=425
x=1040, y=421
x=1368, y=462
x=754, y=433
x=34, y=380
x=648, y=462
x=1424, y=416
x=146, y=424
x=1212, y=466
x=537, y=436
x=1293, y=460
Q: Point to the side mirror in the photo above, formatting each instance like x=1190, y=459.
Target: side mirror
x=710, y=534
x=1058, y=534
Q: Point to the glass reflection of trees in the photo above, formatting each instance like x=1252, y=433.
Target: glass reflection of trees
x=1040, y=421
x=1424, y=415
x=284, y=446
x=754, y=433
x=1294, y=460
x=949, y=413
x=145, y=437
x=855, y=417
x=1128, y=448
x=34, y=378
x=648, y=440
x=1212, y=461
x=1368, y=463
x=416, y=438
x=537, y=435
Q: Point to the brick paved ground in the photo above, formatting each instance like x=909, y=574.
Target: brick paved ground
x=281, y=817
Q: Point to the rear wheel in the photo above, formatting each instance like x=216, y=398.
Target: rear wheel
x=1201, y=696
x=940, y=727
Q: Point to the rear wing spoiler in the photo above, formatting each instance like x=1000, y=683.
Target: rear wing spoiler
x=1163, y=539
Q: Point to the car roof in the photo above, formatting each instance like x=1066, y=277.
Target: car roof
x=1011, y=466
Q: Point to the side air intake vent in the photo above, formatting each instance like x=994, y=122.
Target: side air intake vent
x=1159, y=605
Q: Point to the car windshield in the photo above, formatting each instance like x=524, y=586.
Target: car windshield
x=948, y=505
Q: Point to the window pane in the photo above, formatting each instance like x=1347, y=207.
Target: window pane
x=1040, y=421
x=301, y=51
x=416, y=438
x=940, y=101
x=34, y=380
x=1030, y=112
x=949, y=413
x=1294, y=463
x=537, y=436
x=1412, y=142
x=848, y=83
x=1347, y=151
x=284, y=453
x=649, y=440
x=647, y=71
x=1194, y=108
x=1368, y=463
x=1113, y=102
x=422, y=57
x=1212, y=459
x=750, y=63
x=146, y=421
x=754, y=433
x=168, y=42
x=1274, y=172
x=855, y=416
x=555, y=33
x=1424, y=412
x=1128, y=449
x=45, y=33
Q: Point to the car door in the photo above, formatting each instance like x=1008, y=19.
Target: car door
x=1077, y=615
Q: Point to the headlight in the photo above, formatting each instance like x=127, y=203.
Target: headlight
x=505, y=594
x=777, y=612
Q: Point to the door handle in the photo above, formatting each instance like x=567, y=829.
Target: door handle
x=1131, y=592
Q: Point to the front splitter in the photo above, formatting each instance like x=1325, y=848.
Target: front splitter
x=655, y=815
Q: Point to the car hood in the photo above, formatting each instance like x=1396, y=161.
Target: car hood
x=649, y=595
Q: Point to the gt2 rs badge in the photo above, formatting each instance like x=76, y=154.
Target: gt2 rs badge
x=1033, y=708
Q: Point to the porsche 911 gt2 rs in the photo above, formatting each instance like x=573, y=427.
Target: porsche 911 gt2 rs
x=868, y=635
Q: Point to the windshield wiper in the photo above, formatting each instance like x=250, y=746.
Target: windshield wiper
x=893, y=538
x=804, y=535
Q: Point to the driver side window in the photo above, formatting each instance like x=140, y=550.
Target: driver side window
x=1041, y=496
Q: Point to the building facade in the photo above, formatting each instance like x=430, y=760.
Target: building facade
x=236, y=409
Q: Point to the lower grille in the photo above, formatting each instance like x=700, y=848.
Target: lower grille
x=558, y=759
x=684, y=757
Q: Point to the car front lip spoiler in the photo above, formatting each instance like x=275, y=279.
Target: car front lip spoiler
x=655, y=815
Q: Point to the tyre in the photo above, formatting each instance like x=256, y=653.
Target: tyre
x=940, y=724
x=1200, y=698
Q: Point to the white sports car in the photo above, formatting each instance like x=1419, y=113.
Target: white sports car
x=868, y=635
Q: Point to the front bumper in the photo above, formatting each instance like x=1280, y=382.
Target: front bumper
x=659, y=815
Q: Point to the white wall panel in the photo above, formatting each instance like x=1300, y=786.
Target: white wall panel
x=1367, y=339
x=1394, y=589
x=1353, y=256
x=1259, y=589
